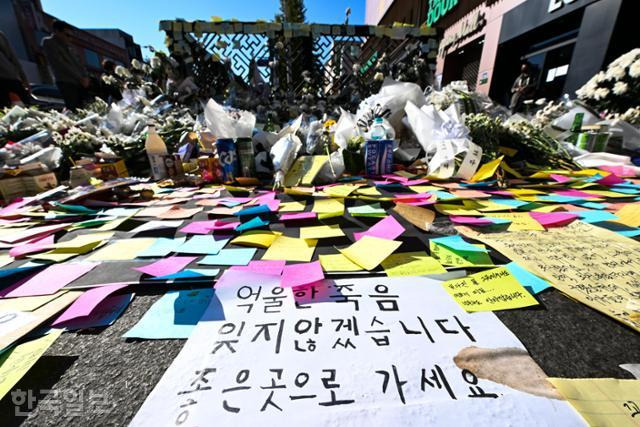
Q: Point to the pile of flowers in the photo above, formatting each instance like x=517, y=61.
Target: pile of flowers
x=617, y=90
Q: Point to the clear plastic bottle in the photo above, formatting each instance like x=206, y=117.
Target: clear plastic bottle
x=156, y=150
x=378, y=130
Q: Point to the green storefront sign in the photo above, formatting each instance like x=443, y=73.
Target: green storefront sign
x=438, y=9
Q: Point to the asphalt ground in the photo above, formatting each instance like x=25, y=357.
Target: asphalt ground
x=98, y=378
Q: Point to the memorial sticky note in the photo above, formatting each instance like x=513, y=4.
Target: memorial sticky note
x=321, y=232
x=121, y=250
x=411, y=264
x=173, y=316
x=301, y=274
x=240, y=256
x=495, y=289
x=202, y=245
x=369, y=252
x=291, y=249
x=166, y=266
x=388, y=228
x=338, y=263
x=604, y=402
x=52, y=279
x=14, y=363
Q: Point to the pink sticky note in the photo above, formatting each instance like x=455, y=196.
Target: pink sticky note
x=87, y=302
x=33, y=233
x=388, y=228
x=52, y=279
x=620, y=170
x=301, y=274
x=415, y=182
x=15, y=207
x=394, y=177
x=560, y=178
x=236, y=278
x=470, y=220
x=263, y=267
x=296, y=216
x=166, y=266
x=611, y=180
x=37, y=245
x=412, y=196
x=553, y=219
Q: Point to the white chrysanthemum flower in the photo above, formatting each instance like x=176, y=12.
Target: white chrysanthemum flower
x=601, y=93
x=156, y=62
x=378, y=77
x=634, y=69
x=122, y=72
x=137, y=65
x=598, y=78
x=615, y=73
x=620, y=88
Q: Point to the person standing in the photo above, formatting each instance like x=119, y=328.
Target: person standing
x=12, y=77
x=70, y=73
x=523, y=88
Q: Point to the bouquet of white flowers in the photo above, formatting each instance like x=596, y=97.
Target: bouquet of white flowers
x=617, y=89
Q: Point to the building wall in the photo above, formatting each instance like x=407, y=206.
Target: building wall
x=490, y=32
x=375, y=10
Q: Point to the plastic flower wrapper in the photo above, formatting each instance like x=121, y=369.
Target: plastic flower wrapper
x=389, y=103
x=285, y=151
x=225, y=124
x=445, y=140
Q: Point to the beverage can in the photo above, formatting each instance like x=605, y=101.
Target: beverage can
x=228, y=159
x=601, y=142
x=246, y=157
x=586, y=140
x=209, y=168
x=378, y=157
x=173, y=163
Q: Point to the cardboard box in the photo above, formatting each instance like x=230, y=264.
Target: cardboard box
x=112, y=170
x=27, y=185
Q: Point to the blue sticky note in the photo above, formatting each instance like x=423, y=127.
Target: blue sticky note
x=510, y=202
x=625, y=190
x=556, y=198
x=630, y=233
x=255, y=222
x=479, y=184
x=202, y=245
x=254, y=210
x=533, y=283
x=162, y=247
x=443, y=195
x=392, y=186
x=173, y=316
x=592, y=205
x=498, y=221
x=594, y=216
x=11, y=271
x=189, y=274
x=240, y=256
x=457, y=244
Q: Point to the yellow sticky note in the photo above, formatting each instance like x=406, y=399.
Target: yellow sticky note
x=487, y=170
x=524, y=191
x=328, y=208
x=604, y=402
x=604, y=193
x=257, y=238
x=290, y=249
x=629, y=215
x=321, y=232
x=292, y=207
x=495, y=289
x=593, y=257
x=449, y=209
x=304, y=170
x=340, y=190
x=28, y=303
x=369, y=191
x=520, y=221
x=369, y=252
x=14, y=363
x=424, y=188
x=411, y=264
x=5, y=260
x=453, y=258
x=338, y=262
x=122, y=250
x=112, y=225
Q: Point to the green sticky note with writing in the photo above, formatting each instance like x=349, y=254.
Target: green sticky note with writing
x=456, y=258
